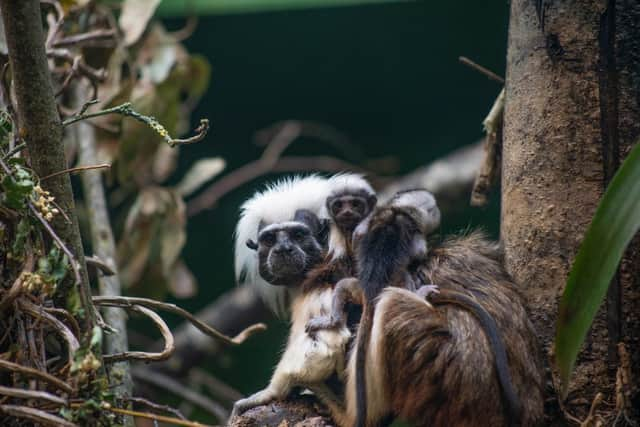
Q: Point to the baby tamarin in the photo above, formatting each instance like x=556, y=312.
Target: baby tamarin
x=286, y=251
x=434, y=365
x=350, y=202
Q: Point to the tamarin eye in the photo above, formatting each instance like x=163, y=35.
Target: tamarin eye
x=268, y=239
x=299, y=234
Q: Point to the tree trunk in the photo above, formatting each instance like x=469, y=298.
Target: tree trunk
x=40, y=126
x=571, y=116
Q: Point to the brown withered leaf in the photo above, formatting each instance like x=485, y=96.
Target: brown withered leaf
x=154, y=235
x=183, y=283
x=134, y=18
x=202, y=171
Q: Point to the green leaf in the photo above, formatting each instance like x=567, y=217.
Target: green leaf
x=96, y=337
x=22, y=232
x=199, y=7
x=17, y=188
x=616, y=221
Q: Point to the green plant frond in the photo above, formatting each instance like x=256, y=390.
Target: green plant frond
x=616, y=221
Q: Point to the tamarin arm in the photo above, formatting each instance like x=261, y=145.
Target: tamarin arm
x=346, y=290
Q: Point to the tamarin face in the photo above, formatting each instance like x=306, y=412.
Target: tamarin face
x=349, y=208
x=288, y=250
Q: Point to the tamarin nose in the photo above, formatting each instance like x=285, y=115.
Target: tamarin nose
x=284, y=248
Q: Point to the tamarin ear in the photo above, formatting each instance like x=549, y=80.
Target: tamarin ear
x=261, y=226
x=252, y=245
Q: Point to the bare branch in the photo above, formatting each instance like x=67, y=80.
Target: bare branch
x=156, y=417
x=32, y=394
x=39, y=313
x=156, y=406
x=101, y=265
x=172, y=308
x=169, y=345
x=88, y=38
x=492, y=76
x=77, y=169
x=127, y=110
x=91, y=73
x=37, y=415
x=31, y=372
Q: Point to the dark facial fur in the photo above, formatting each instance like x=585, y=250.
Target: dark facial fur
x=348, y=208
x=286, y=251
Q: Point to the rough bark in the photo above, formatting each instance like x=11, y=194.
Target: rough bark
x=41, y=128
x=571, y=116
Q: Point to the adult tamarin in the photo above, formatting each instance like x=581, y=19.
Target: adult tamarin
x=286, y=251
x=308, y=360
x=433, y=364
x=276, y=204
x=344, y=198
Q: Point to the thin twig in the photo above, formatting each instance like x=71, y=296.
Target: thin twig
x=37, y=415
x=77, y=169
x=172, y=308
x=156, y=406
x=127, y=110
x=156, y=417
x=91, y=73
x=490, y=74
x=174, y=387
x=169, y=345
x=10, y=296
x=85, y=38
x=32, y=394
x=31, y=372
x=38, y=312
x=68, y=317
x=14, y=150
x=101, y=265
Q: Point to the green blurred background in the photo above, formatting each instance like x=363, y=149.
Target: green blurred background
x=384, y=73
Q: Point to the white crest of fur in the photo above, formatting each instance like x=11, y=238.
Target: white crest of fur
x=340, y=183
x=277, y=203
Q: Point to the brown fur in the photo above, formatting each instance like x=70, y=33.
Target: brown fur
x=433, y=365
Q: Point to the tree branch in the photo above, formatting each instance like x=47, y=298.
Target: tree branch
x=103, y=244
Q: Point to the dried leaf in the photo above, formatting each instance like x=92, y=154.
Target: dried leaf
x=134, y=18
x=164, y=162
x=202, y=171
x=183, y=283
x=154, y=235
